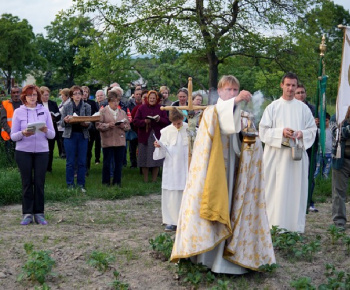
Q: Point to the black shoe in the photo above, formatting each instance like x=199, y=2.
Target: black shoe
x=170, y=228
x=341, y=227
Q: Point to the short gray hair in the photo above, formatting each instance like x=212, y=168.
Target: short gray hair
x=100, y=91
x=118, y=90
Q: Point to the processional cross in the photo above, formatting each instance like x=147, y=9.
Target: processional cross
x=192, y=119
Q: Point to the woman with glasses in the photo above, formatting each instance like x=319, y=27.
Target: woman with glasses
x=31, y=128
x=112, y=126
x=76, y=136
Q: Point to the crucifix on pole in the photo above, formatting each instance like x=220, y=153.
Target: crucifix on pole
x=192, y=118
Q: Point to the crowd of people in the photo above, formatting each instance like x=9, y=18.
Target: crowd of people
x=138, y=121
x=200, y=197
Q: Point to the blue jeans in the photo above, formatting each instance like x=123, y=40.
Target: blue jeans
x=76, y=150
x=111, y=154
x=324, y=162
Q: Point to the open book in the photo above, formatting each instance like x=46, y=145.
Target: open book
x=34, y=127
x=152, y=117
x=120, y=121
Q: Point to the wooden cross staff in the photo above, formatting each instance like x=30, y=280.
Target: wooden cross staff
x=191, y=127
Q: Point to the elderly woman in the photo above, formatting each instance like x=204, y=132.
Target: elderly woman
x=182, y=95
x=76, y=136
x=165, y=91
x=112, y=126
x=101, y=102
x=149, y=120
x=31, y=128
x=56, y=116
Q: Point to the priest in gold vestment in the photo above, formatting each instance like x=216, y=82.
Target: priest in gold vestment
x=222, y=222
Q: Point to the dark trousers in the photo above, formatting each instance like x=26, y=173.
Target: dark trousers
x=51, y=149
x=60, y=141
x=340, y=180
x=92, y=136
x=132, y=151
x=97, y=146
x=32, y=167
x=110, y=154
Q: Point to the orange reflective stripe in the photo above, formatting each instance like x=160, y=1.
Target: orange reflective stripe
x=7, y=105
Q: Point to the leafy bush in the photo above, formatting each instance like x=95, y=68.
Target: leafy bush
x=303, y=283
x=100, y=260
x=117, y=284
x=38, y=266
x=163, y=244
x=335, y=279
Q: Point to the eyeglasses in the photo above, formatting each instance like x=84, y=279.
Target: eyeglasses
x=77, y=93
x=32, y=95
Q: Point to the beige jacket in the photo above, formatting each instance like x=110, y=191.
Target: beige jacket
x=112, y=137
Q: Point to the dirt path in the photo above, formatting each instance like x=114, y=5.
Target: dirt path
x=123, y=228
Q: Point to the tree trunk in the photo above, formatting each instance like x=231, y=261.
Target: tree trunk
x=213, y=76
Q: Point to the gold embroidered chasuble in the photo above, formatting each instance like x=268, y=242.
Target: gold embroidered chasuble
x=205, y=219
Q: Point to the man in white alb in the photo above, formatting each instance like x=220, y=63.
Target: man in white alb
x=286, y=179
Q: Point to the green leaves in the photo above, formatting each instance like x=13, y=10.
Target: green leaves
x=17, y=49
x=335, y=233
x=38, y=265
x=213, y=29
x=163, y=243
x=100, y=260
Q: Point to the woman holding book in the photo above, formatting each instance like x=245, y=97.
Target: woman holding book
x=149, y=120
x=112, y=126
x=31, y=128
x=76, y=136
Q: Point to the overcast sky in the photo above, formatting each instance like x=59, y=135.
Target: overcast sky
x=41, y=13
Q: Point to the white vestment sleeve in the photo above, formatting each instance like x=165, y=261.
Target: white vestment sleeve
x=159, y=153
x=229, y=120
x=267, y=133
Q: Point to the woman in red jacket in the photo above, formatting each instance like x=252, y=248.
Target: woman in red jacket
x=149, y=120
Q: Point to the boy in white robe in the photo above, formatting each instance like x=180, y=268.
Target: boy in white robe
x=174, y=149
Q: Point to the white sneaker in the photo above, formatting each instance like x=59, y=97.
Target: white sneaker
x=313, y=208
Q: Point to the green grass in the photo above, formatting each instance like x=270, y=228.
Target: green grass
x=56, y=188
x=132, y=184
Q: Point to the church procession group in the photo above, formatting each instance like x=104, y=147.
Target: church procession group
x=220, y=194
